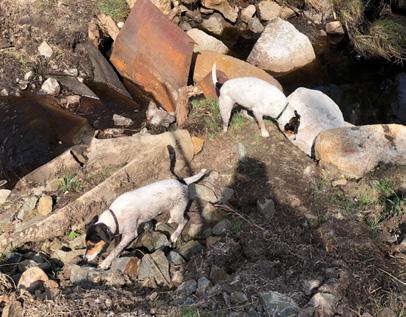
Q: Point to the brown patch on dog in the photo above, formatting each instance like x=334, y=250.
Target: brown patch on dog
x=94, y=248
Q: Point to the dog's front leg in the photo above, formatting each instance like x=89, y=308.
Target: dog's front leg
x=126, y=239
x=261, y=124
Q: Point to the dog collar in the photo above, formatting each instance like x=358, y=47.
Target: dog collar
x=116, y=231
x=283, y=110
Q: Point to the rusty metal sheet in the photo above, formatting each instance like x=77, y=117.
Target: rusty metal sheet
x=154, y=53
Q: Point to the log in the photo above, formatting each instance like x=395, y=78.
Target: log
x=150, y=164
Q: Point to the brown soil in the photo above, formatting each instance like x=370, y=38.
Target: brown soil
x=25, y=24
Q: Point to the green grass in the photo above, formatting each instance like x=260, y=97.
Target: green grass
x=210, y=112
x=195, y=312
x=236, y=225
x=237, y=121
x=72, y=235
x=117, y=9
x=69, y=184
x=394, y=204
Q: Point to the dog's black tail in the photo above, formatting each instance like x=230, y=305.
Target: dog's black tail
x=185, y=181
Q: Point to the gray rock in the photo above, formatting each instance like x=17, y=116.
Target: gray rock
x=222, y=227
x=28, y=206
x=29, y=75
x=217, y=274
x=278, y=305
x=187, y=288
x=159, y=117
x=334, y=27
x=88, y=275
x=121, y=121
x=266, y=207
x=268, y=10
x=152, y=240
x=247, y=13
x=4, y=193
x=355, y=151
x=51, y=87
x=203, y=285
x=238, y=298
x=286, y=13
x=45, y=50
x=323, y=304
x=281, y=48
x=226, y=195
x=212, y=214
x=126, y=265
x=215, y=290
x=203, y=193
x=4, y=92
x=155, y=266
x=68, y=257
x=204, y=41
x=190, y=249
x=175, y=258
x=214, y=24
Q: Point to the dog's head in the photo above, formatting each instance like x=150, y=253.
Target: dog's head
x=98, y=238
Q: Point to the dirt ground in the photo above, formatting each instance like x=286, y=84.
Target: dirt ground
x=317, y=233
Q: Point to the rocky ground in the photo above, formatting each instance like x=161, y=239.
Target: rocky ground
x=270, y=231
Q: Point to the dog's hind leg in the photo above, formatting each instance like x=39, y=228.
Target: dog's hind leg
x=260, y=120
x=226, y=106
x=177, y=215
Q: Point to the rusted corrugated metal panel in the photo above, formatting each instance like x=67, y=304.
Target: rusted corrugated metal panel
x=154, y=53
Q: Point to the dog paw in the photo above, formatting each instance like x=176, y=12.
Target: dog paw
x=104, y=266
x=265, y=134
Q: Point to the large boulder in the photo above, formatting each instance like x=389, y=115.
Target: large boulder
x=229, y=67
x=357, y=150
x=318, y=113
x=203, y=41
x=281, y=48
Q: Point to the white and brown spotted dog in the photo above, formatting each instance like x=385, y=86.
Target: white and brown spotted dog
x=253, y=94
x=133, y=208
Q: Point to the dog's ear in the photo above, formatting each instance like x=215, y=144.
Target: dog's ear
x=92, y=222
x=103, y=232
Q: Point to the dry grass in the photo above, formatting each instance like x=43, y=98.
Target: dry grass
x=382, y=38
x=386, y=38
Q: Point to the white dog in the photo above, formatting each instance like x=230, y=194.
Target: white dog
x=253, y=94
x=133, y=208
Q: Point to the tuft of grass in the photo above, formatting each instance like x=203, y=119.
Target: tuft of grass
x=72, y=235
x=394, y=204
x=237, y=121
x=195, y=312
x=69, y=184
x=386, y=38
x=236, y=225
x=117, y=9
x=210, y=111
